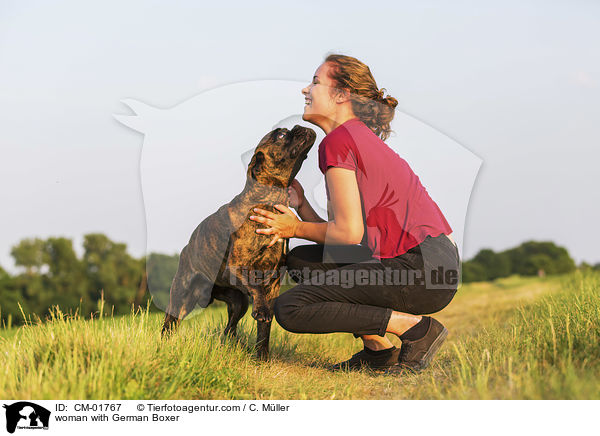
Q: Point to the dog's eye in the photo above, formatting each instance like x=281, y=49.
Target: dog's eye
x=281, y=135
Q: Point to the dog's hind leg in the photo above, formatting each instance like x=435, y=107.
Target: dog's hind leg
x=169, y=325
x=185, y=294
x=237, y=305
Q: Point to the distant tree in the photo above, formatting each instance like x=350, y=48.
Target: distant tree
x=65, y=281
x=9, y=298
x=539, y=264
x=29, y=253
x=473, y=272
x=530, y=257
x=3, y=274
x=110, y=269
x=161, y=269
x=54, y=275
x=61, y=281
x=496, y=265
x=26, y=290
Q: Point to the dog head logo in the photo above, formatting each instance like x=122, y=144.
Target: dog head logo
x=26, y=415
x=190, y=157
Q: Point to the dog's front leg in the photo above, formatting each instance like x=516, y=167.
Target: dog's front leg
x=262, y=312
x=263, y=334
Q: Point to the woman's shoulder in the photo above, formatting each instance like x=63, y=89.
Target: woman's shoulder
x=338, y=139
x=349, y=134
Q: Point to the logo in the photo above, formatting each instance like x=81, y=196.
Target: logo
x=26, y=415
x=192, y=151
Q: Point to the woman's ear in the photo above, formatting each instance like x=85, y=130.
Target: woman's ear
x=343, y=95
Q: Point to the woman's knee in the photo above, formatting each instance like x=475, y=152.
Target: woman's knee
x=285, y=310
x=430, y=301
x=446, y=299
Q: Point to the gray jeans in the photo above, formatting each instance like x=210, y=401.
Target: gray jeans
x=343, y=289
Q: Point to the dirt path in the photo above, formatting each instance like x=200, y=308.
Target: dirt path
x=479, y=304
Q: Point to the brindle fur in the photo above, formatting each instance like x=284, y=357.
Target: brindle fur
x=226, y=243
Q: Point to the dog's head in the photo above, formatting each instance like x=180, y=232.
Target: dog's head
x=279, y=155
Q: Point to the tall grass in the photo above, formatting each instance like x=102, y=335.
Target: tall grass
x=548, y=350
x=516, y=338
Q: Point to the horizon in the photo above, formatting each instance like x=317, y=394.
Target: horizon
x=79, y=251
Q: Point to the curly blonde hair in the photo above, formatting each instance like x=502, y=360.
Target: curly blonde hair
x=368, y=102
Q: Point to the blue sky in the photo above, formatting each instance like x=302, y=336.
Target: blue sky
x=517, y=83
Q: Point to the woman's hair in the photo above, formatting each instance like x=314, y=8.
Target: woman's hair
x=368, y=102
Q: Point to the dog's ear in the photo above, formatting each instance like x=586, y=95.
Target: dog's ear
x=256, y=164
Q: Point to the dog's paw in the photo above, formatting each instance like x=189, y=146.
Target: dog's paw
x=262, y=314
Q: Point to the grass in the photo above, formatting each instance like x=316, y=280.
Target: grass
x=516, y=338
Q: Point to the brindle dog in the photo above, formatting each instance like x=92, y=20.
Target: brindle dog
x=225, y=257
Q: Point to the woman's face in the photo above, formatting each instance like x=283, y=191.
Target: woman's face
x=319, y=105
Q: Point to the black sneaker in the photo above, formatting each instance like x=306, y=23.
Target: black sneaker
x=375, y=362
x=417, y=355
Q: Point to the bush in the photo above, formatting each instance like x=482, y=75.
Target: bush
x=528, y=259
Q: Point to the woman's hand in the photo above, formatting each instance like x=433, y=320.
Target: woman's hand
x=281, y=225
x=296, y=194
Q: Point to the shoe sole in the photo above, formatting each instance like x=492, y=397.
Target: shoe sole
x=366, y=366
x=427, y=358
x=377, y=369
x=435, y=346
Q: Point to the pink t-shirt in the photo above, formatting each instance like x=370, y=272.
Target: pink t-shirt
x=398, y=213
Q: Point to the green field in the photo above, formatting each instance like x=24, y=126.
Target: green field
x=516, y=338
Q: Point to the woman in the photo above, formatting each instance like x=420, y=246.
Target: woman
x=382, y=225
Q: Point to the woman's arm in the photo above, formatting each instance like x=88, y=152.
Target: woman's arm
x=299, y=202
x=307, y=213
x=347, y=226
x=345, y=229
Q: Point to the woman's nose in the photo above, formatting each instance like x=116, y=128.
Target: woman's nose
x=305, y=91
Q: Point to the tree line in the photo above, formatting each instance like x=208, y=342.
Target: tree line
x=531, y=258
x=52, y=274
